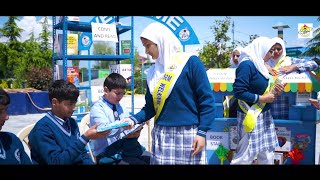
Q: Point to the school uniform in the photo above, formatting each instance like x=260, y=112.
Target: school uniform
x=57, y=141
x=12, y=150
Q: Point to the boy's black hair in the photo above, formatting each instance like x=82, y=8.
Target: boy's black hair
x=4, y=97
x=63, y=90
x=115, y=81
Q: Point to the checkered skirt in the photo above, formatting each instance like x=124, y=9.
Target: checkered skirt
x=263, y=137
x=172, y=145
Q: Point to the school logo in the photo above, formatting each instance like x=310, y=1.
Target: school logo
x=85, y=40
x=2, y=151
x=184, y=34
x=305, y=30
x=17, y=155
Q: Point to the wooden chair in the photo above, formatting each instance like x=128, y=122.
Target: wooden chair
x=23, y=134
x=83, y=126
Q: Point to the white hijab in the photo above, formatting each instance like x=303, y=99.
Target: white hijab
x=256, y=51
x=281, y=42
x=167, y=44
x=272, y=62
x=233, y=65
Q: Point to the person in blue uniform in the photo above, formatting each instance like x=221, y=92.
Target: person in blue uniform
x=11, y=148
x=178, y=97
x=55, y=138
x=255, y=128
x=119, y=146
x=281, y=64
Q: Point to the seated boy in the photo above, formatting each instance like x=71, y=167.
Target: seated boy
x=11, y=148
x=55, y=139
x=118, y=142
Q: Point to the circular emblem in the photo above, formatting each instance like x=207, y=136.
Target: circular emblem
x=184, y=34
x=85, y=40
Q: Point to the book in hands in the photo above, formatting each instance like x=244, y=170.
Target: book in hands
x=136, y=128
x=315, y=103
x=113, y=125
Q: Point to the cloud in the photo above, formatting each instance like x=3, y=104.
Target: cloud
x=31, y=24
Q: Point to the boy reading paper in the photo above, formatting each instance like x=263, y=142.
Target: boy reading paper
x=119, y=146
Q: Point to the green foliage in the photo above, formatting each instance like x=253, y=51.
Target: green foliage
x=139, y=84
x=14, y=60
x=17, y=57
x=45, y=35
x=85, y=104
x=4, y=84
x=39, y=78
x=103, y=48
x=314, y=44
x=136, y=60
x=10, y=29
x=17, y=84
x=3, y=61
x=217, y=54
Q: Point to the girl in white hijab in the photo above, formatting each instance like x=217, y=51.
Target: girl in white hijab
x=235, y=56
x=178, y=97
x=281, y=64
x=279, y=58
x=251, y=87
x=167, y=44
x=230, y=103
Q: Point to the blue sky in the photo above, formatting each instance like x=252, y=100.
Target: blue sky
x=244, y=26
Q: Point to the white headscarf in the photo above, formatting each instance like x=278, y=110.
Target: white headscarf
x=281, y=42
x=273, y=62
x=256, y=51
x=167, y=44
x=233, y=65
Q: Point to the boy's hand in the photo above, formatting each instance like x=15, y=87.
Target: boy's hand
x=134, y=134
x=92, y=133
x=130, y=122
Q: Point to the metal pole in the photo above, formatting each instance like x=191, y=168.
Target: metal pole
x=233, y=35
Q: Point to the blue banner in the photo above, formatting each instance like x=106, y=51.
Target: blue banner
x=177, y=24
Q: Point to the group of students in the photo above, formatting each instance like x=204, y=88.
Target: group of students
x=259, y=103
x=178, y=97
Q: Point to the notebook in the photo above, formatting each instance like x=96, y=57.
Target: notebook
x=113, y=125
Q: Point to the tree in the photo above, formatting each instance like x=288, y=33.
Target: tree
x=216, y=54
x=11, y=58
x=44, y=36
x=10, y=29
x=3, y=61
x=244, y=43
x=36, y=55
x=252, y=37
x=102, y=48
x=45, y=44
